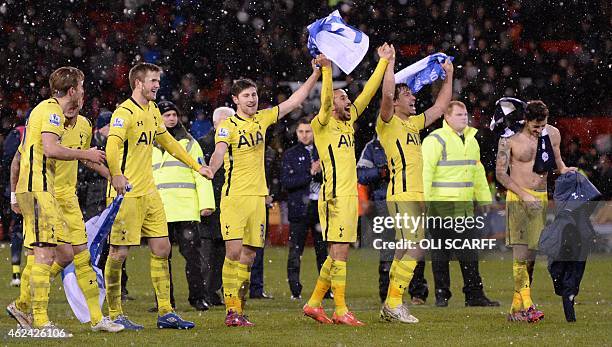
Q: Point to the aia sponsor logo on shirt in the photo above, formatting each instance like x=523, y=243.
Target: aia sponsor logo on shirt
x=250, y=141
x=346, y=140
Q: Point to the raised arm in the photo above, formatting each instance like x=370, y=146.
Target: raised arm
x=388, y=89
x=370, y=88
x=436, y=111
x=327, y=91
x=298, y=97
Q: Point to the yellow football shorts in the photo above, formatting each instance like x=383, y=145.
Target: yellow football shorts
x=412, y=206
x=244, y=217
x=338, y=217
x=74, y=227
x=139, y=217
x=524, y=225
x=42, y=219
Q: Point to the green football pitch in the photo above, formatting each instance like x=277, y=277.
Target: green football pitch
x=279, y=322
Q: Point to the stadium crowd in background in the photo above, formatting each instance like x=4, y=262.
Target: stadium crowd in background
x=506, y=49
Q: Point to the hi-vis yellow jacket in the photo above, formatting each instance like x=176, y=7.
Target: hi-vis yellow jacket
x=452, y=170
x=183, y=191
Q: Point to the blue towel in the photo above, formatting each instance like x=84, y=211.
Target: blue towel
x=423, y=72
x=341, y=43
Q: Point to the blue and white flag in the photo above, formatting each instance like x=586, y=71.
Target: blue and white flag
x=423, y=72
x=97, y=228
x=341, y=43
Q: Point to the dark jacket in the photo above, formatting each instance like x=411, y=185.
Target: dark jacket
x=207, y=142
x=296, y=178
x=570, y=235
x=91, y=187
x=372, y=162
x=11, y=143
x=211, y=227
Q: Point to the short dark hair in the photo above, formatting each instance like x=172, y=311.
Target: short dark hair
x=399, y=88
x=303, y=120
x=139, y=71
x=64, y=78
x=242, y=84
x=536, y=110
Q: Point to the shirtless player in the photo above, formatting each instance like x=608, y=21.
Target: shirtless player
x=526, y=199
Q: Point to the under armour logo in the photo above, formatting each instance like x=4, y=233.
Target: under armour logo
x=139, y=123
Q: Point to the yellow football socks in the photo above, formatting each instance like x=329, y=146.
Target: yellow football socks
x=39, y=284
x=521, y=282
x=323, y=284
x=229, y=275
x=86, y=278
x=338, y=285
x=400, y=276
x=160, y=276
x=112, y=279
x=55, y=269
x=23, y=303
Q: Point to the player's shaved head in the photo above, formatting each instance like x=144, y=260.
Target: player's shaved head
x=139, y=71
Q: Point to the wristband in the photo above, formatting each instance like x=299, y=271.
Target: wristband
x=13, y=198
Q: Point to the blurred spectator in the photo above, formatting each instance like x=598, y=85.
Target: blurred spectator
x=213, y=246
x=301, y=179
x=186, y=196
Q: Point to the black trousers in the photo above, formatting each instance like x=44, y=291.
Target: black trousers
x=187, y=236
x=213, y=256
x=468, y=261
x=15, y=228
x=256, y=287
x=298, y=232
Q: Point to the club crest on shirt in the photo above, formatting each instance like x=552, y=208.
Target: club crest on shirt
x=54, y=119
x=223, y=132
x=118, y=123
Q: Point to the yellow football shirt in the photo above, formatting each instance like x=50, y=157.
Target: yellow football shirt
x=76, y=137
x=335, y=139
x=36, y=171
x=402, y=144
x=136, y=125
x=245, y=172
